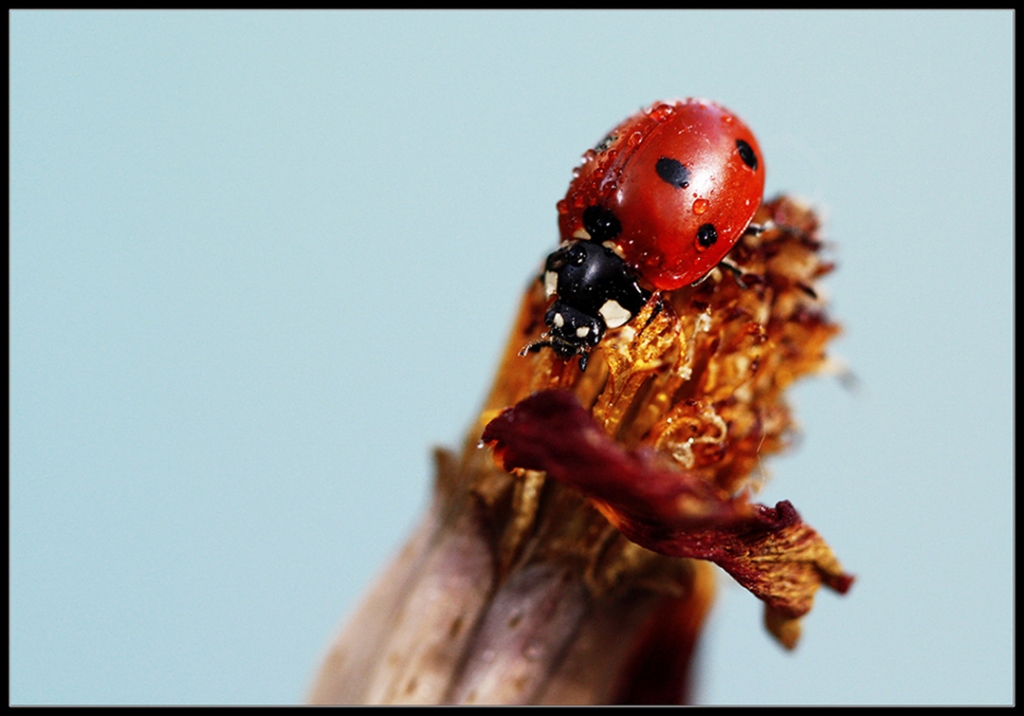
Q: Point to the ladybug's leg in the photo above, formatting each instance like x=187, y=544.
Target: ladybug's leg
x=736, y=271
x=535, y=347
x=584, y=356
x=809, y=290
x=563, y=349
x=659, y=306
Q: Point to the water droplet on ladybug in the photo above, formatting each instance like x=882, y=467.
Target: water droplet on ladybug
x=700, y=206
x=661, y=112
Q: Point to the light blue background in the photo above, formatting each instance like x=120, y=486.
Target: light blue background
x=262, y=262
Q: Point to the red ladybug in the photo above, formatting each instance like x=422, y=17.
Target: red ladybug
x=672, y=188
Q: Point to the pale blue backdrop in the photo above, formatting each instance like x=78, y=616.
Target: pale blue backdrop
x=261, y=262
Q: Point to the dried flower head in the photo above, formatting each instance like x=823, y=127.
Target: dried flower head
x=665, y=430
x=566, y=556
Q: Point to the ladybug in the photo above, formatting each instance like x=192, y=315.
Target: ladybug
x=660, y=201
x=673, y=187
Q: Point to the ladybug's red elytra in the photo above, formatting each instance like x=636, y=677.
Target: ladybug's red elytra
x=662, y=199
x=673, y=187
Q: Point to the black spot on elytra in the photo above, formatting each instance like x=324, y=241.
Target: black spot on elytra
x=601, y=224
x=707, y=235
x=673, y=172
x=747, y=154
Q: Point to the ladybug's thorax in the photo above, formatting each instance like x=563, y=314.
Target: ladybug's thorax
x=594, y=290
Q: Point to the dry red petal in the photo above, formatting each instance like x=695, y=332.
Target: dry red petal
x=770, y=551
